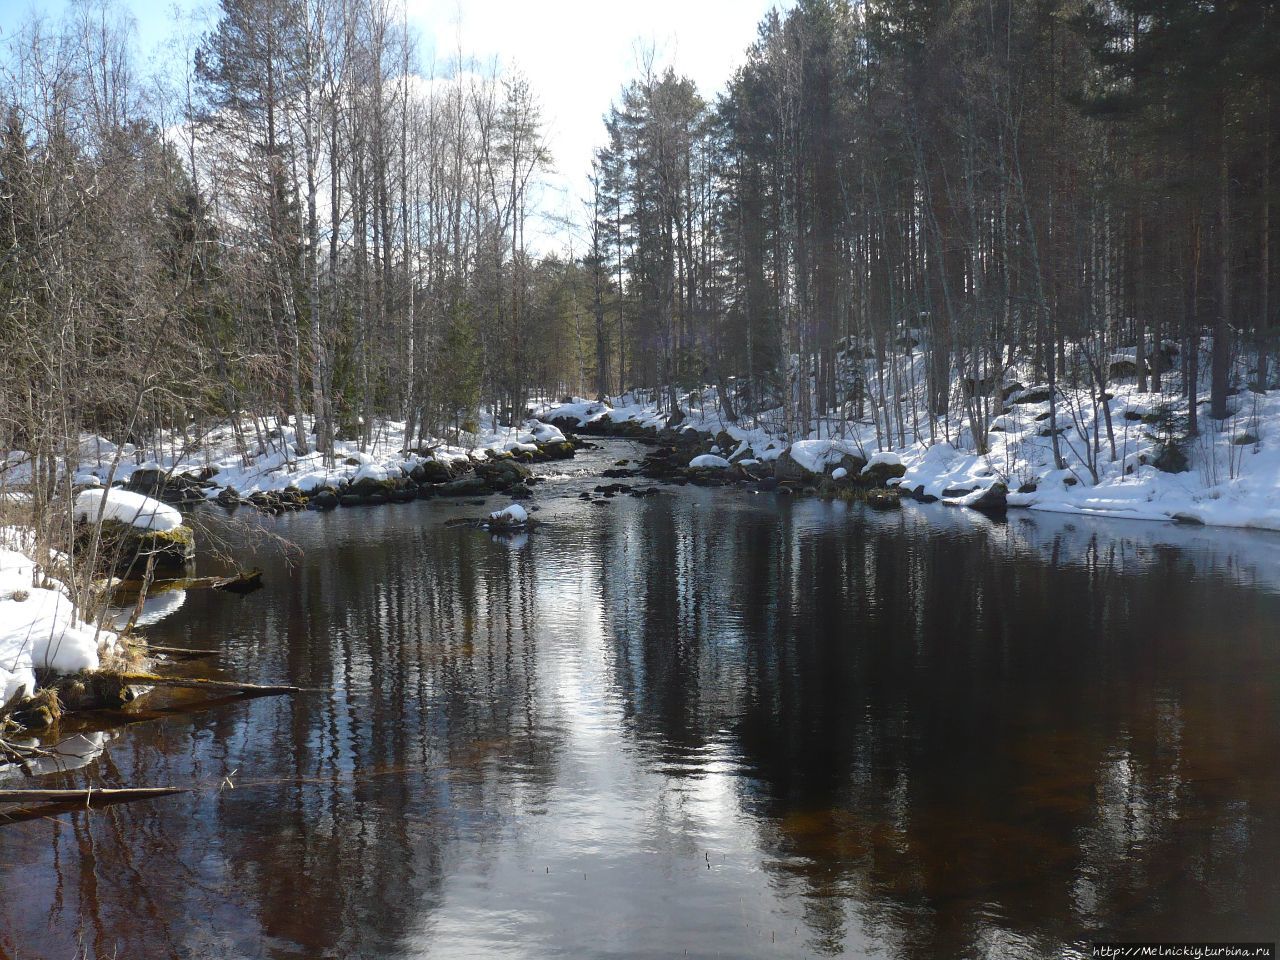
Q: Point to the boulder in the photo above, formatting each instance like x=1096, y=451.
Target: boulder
x=432, y=471
x=879, y=474
x=324, y=500
x=463, y=487
x=993, y=500
x=502, y=472
x=1040, y=394
x=884, y=500
x=853, y=464
x=787, y=468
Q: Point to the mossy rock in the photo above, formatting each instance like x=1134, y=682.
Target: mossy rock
x=172, y=549
x=884, y=500
x=464, y=487
x=432, y=471
x=324, y=500
x=557, y=450
x=502, y=472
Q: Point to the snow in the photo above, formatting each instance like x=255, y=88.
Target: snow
x=839, y=473
x=273, y=465
x=708, y=461
x=39, y=628
x=130, y=508
x=818, y=454
x=1228, y=484
x=512, y=516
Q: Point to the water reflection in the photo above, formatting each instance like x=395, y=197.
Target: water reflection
x=705, y=722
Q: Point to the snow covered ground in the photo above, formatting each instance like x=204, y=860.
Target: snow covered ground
x=1232, y=475
x=271, y=464
x=38, y=625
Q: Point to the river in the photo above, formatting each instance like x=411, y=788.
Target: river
x=705, y=723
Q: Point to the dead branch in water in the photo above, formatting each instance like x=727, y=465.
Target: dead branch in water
x=117, y=794
x=199, y=683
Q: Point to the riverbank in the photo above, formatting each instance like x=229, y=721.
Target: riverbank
x=266, y=472
x=1228, y=475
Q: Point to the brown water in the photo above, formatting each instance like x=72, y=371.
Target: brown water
x=704, y=723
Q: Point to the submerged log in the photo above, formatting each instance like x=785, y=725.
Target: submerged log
x=178, y=651
x=112, y=793
x=199, y=683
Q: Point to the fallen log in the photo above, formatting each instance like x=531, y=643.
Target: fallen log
x=199, y=683
x=117, y=794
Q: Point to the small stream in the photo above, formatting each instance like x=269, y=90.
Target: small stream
x=704, y=723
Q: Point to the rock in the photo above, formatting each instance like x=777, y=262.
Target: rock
x=1124, y=367
x=1171, y=458
x=432, y=471
x=853, y=464
x=1029, y=487
x=556, y=450
x=879, y=474
x=502, y=472
x=884, y=500
x=324, y=500
x=367, y=486
x=172, y=549
x=768, y=484
x=463, y=487
x=147, y=481
x=351, y=500
x=1039, y=394
x=993, y=500
x=920, y=496
x=787, y=468
x=228, y=497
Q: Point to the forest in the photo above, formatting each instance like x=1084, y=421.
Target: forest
x=303, y=220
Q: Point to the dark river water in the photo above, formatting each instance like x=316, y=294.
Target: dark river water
x=705, y=723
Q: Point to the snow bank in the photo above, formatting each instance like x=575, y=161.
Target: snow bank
x=38, y=629
x=1233, y=477
x=129, y=508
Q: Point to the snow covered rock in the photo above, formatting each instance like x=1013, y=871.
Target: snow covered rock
x=123, y=506
x=509, y=518
x=708, y=461
x=136, y=528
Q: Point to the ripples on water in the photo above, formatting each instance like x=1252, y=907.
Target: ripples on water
x=704, y=721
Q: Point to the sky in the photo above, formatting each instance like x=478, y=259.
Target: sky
x=576, y=54
x=579, y=54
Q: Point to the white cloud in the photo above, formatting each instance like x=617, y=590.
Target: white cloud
x=578, y=55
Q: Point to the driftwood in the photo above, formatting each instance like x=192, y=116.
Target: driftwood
x=199, y=683
x=85, y=796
